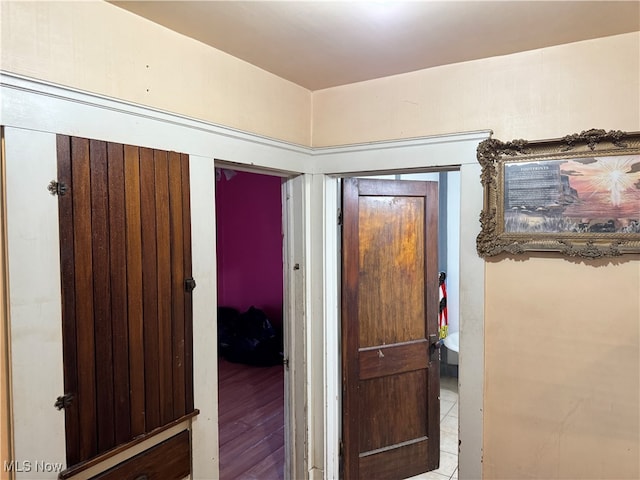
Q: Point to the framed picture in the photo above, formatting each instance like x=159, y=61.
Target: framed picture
x=579, y=195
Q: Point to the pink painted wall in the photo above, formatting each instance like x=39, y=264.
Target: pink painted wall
x=249, y=242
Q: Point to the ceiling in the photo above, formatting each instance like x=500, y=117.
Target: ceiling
x=321, y=44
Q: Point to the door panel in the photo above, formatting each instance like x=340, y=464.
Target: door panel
x=389, y=243
x=163, y=243
x=134, y=288
x=80, y=169
x=389, y=329
x=396, y=463
x=149, y=289
x=177, y=286
x=187, y=272
x=118, y=285
x=70, y=330
x=101, y=294
x=383, y=426
x=125, y=249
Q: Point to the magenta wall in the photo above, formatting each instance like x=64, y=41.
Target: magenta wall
x=249, y=242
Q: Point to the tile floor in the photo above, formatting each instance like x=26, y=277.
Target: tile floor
x=448, y=433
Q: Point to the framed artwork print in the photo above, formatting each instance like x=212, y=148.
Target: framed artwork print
x=579, y=195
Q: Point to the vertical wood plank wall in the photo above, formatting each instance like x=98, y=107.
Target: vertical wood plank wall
x=125, y=247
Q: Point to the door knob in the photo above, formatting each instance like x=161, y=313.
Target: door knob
x=434, y=342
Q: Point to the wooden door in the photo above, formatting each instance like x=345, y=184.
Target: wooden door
x=125, y=248
x=390, y=362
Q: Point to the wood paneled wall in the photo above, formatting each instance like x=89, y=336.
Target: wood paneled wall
x=125, y=247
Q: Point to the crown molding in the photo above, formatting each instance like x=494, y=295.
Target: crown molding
x=40, y=105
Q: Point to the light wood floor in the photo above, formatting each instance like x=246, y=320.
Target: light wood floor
x=251, y=421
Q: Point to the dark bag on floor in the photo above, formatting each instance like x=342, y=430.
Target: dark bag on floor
x=249, y=338
x=227, y=324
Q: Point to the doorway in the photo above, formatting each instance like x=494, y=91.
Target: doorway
x=390, y=357
x=249, y=250
x=448, y=263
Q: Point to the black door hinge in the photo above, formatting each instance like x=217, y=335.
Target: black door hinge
x=63, y=401
x=189, y=285
x=57, y=188
x=339, y=216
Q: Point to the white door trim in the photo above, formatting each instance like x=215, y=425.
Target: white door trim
x=35, y=314
x=399, y=157
x=295, y=249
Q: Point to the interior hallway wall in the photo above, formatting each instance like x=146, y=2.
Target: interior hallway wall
x=544, y=93
x=100, y=48
x=249, y=242
x=541, y=94
x=562, y=352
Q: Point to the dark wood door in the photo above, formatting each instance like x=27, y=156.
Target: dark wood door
x=125, y=249
x=390, y=363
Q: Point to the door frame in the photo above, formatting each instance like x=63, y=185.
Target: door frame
x=412, y=156
x=294, y=247
x=413, y=449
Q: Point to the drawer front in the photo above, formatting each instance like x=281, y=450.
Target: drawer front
x=169, y=460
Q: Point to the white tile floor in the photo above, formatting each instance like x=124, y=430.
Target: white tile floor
x=448, y=433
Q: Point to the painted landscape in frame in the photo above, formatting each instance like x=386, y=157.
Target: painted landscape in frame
x=578, y=195
x=599, y=194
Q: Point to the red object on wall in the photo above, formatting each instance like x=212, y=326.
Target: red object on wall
x=249, y=242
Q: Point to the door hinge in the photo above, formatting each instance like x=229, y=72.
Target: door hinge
x=285, y=362
x=63, y=401
x=57, y=188
x=189, y=285
x=339, y=216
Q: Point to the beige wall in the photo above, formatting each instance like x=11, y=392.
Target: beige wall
x=544, y=93
x=562, y=361
x=562, y=369
x=100, y=48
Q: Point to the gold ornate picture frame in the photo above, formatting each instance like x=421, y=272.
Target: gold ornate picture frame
x=578, y=195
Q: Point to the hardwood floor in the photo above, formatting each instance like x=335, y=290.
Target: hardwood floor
x=251, y=421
